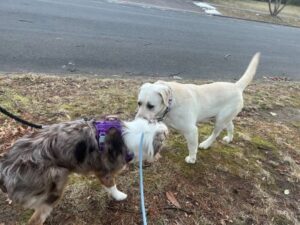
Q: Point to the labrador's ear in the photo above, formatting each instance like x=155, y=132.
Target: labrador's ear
x=165, y=92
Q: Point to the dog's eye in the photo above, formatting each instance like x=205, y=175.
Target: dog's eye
x=149, y=106
x=139, y=103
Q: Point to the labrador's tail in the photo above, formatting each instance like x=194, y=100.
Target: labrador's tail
x=245, y=80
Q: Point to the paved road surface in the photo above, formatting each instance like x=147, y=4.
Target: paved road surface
x=104, y=37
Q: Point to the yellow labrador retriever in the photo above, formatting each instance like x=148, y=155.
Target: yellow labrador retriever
x=182, y=106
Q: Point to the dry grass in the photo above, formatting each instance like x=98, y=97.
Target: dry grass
x=254, y=10
x=239, y=183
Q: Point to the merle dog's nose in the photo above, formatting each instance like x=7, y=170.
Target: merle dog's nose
x=129, y=157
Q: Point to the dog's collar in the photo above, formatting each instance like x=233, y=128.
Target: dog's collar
x=103, y=126
x=161, y=118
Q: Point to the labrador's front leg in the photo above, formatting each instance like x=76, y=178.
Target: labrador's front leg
x=191, y=136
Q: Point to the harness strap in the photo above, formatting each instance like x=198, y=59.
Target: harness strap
x=102, y=127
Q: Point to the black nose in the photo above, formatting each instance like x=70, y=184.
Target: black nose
x=129, y=157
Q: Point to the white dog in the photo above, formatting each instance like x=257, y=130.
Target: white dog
x=182, y=106
x=154, y=135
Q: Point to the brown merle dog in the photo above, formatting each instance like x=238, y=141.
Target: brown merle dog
x=35, y=170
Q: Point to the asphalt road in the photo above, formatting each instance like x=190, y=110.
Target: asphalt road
x=103, y=37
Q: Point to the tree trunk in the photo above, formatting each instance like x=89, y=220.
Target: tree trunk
x=277, y=6
x=270, y=7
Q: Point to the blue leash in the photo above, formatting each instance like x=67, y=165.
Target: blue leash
x=141, y=180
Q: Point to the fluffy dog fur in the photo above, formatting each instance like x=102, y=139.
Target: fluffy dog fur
x=35, y=170
x=154, y=135
x=189, y=104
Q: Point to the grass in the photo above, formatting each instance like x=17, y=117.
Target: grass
x=254, y=10
x=238, y=183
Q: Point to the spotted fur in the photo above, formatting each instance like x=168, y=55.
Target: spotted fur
x=35, y=170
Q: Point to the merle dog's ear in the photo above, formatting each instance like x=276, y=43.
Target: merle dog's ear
x=114, y=143
x=158, y=140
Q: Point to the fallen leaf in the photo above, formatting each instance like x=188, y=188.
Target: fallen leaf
x=172, y=199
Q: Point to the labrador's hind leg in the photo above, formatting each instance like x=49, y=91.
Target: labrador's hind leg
x=229, y=129
x=223, y=120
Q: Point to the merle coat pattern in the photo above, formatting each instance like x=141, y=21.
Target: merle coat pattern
x=35, y=170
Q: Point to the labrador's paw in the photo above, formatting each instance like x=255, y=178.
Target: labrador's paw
x=227, y=139
x=190, y=159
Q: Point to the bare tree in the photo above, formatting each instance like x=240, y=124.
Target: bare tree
x=276, y=6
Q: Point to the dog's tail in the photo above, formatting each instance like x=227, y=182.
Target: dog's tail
x=245, y=80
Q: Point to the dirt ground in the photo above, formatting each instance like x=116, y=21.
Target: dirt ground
x=255, y=180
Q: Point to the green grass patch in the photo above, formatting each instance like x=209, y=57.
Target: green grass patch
x=262, y=143
x=25, y=216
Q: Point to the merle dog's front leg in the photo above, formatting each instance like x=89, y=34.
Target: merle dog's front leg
x=108, y=181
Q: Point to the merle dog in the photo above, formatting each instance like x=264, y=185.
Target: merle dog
x=35, y=170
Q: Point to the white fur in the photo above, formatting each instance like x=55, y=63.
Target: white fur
x=194, y=103
x=46, y=210
x=132, y=132
x=115, y=193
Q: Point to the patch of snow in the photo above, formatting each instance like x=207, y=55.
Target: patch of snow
x=177, y=78
x=209, y=9
x=212, y=12
x=204, y=5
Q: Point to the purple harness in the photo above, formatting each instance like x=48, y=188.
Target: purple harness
x=103, y=126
